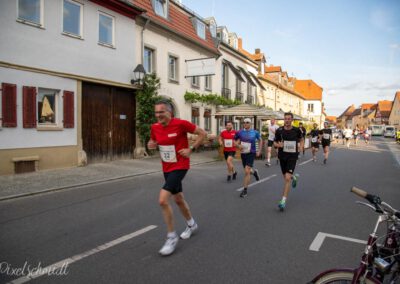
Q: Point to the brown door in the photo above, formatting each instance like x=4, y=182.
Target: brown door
x=108, y=122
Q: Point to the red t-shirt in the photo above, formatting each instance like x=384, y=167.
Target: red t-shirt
x=171, y=139
x=227, y=139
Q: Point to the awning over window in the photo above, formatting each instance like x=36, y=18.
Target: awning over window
x=246, y=74
x=207, y=113
x=256, y=80
x=234, y=70
x=195, y=112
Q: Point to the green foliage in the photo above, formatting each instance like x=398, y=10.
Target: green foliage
x=146, y=98
x=210, y=99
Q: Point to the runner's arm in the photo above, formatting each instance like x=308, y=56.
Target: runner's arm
x=201, y=135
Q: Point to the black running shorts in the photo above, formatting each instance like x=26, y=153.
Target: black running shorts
x=248, y=159
x=325, y=143
x=270, y=143
x=173, y=181
x=229, y=153
x=287, y=165
x=315, y=145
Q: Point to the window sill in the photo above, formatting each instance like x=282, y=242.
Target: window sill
x=208, y=90
x=26, y=22
x=173, y=81
x=195, y=87
x=72, y=35
x=106, y=45
x=49, y=128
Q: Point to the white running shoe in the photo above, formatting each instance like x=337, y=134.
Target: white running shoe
x=169, y=246
x=189, y=231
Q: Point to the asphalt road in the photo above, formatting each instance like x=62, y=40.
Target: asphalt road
x=239, y=240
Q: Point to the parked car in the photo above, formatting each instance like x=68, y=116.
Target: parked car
x=389, y=131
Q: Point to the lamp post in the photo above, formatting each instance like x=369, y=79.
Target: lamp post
x=138, y=75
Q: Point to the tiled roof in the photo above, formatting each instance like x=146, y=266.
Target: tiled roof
x=349, y=110
x=270, y=79
x=272, y=69
x=356, y=112
x=179, y=21
x=385, y=106
x=367, y=106
x=331, y=118
x=309, y=89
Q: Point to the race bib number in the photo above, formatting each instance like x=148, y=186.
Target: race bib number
x=326, y=136
x=168, y=153
x=289, y=146
x=246, y=147
x=314, y=139
x=228, y=143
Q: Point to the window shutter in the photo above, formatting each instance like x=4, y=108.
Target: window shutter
x=29, y=107
x=68, y=109
x=9, y=104
x=207, y=113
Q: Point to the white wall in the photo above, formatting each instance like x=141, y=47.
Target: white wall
x=165, y=44
x=19, y=137
x=317, y=108
x=49, y=49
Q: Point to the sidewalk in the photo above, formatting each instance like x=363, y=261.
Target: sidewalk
x=14, y=186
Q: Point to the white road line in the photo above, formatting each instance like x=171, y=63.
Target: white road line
x=319, y=239
x=305, y=162
x=72, y=259
x=257, y=182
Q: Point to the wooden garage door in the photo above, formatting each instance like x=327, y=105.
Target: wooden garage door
x=108, y=122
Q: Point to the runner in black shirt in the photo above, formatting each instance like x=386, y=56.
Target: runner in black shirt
x=314, y=141
x=326, y=136
x=287, y=140
x=303, y=134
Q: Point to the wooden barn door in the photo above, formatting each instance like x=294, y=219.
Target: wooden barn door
x=108, y=122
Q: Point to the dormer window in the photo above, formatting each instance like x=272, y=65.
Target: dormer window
x=200, y=28
x=213, y=30
x=225, y=36
x=161, y=7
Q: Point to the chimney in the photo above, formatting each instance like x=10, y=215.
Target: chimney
x=258, y=51
x=240, y=43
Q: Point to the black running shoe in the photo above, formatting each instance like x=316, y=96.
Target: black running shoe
x=228, y=178
x=325, y=161
x=243, y=193
x=234, y=175
x=256, y=175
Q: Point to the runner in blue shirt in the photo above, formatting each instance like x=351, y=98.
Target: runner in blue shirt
x=245, y=140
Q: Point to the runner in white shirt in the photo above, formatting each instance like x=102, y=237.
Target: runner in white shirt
x=347, y=136
x=271, y=137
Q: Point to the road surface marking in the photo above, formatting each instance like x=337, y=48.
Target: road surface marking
x=319, y=239
x=305, y=162
x=77, y=257
x=257, y=182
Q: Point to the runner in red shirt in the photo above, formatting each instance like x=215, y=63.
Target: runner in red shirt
x=226, y=139
x=170, y=135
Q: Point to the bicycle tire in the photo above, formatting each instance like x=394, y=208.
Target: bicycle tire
x=340, y=277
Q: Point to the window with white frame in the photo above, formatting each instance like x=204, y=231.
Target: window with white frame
x=47, y=106
x=225, y=76
x=195, y=81
x=195, y=116
x=213, y=29
x=310, y=108
x=106, y=29
x=208, y=82
x=173, y=68
x=148, y=60
x=225, y=36
x=161, y=7
x=200, y=28
x=72, y=18
x=207, y=119
x=31, y=11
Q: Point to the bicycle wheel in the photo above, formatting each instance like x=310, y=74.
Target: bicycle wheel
x=339, y=277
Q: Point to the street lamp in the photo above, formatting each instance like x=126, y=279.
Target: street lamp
x=138, y=75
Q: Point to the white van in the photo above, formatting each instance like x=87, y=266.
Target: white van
x=389, y=131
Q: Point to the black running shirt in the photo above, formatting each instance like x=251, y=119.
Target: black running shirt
x=290, y=139
x=314, y=135
x=326, y=134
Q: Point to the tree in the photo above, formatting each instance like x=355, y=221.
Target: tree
x=146, y=98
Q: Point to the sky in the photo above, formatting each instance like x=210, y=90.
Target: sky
x=351, y=48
